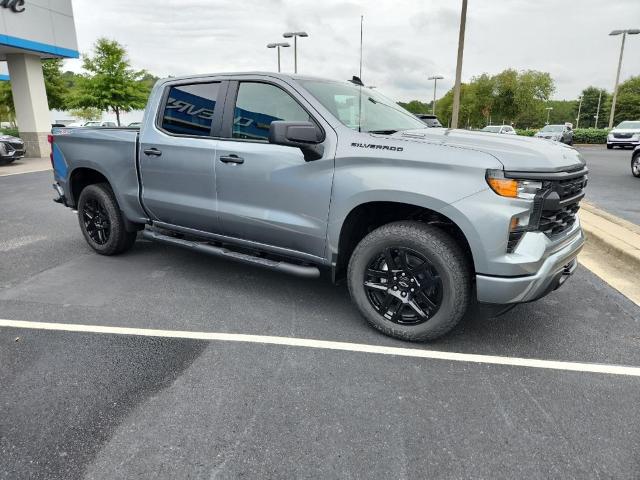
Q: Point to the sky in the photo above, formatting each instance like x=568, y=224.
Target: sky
x=405, y=41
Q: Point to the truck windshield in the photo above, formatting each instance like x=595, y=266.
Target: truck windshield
x=361, y=108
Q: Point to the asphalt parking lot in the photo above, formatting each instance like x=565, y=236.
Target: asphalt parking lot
x=99, y=405
x=611, y=185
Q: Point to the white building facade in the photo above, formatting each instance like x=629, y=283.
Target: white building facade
x=32, y=30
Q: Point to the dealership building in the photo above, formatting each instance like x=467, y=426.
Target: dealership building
x=31, y=30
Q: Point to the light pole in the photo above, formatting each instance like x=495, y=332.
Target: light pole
x=435, y=79
x=597, y=115
x=278, y=45
x=579, y=108
x=456, y=88
x=295, y=36
x=548, y=112
x=633, y=31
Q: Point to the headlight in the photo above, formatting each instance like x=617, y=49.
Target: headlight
x=512, y=188
x=610, y=136
x=635, y=136
x=3, y=149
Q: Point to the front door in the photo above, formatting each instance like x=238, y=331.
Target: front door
x=268, y=193
x=177, y=157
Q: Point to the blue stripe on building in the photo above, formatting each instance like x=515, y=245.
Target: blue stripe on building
x=38, y=47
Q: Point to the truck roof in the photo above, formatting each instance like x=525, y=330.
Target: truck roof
x=282, y=76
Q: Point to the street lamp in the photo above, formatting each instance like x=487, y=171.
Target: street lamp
x=435, y=79
x=278, y=45
x=632, y=31
x=579, y=109
x=295, y=36
x=548, y=112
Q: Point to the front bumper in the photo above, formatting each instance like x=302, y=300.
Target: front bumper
x=556, y=268
x=623, y=142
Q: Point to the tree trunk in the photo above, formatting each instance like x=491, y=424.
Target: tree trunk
x=117, y=111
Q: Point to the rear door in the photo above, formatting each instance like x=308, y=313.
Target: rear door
x=269, y=193
x=177, y=154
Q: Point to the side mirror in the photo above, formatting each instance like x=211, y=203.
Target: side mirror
x=303, y=135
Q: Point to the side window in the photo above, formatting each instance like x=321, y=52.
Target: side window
x=189, y=109
x=259, y=104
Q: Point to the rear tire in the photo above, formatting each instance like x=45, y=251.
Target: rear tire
x=386, y=283
x=101, y=221
x=635, y=166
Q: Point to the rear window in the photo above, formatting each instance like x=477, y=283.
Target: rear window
x=189, y=109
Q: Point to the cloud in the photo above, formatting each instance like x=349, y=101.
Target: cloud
x=405, y=40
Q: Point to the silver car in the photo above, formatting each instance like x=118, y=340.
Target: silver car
x=626, y=134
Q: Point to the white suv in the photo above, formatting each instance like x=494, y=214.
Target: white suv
x=627, y=134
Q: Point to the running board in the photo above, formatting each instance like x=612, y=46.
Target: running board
x=279, y=266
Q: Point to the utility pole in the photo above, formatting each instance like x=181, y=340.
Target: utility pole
x=548, y=113
x=435, y=79
x=456, y=88
x=361, y=39
x=598, y=110
x=579, y=109
x=615, y=88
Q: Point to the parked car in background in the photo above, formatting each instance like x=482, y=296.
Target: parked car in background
x=11, y=149
x=635, y=162
x=100, y=124
x=429, y=120
x=557, y=133
x=506, y=129
x=626, y=134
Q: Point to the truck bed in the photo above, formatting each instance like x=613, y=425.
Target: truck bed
x=110, y=151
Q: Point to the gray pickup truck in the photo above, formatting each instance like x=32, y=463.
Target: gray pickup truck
x=303, y=175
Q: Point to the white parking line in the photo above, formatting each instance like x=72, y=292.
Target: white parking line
x=23, y=173
x=328, y=345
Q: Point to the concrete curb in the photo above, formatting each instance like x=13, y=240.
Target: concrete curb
x=612, y=235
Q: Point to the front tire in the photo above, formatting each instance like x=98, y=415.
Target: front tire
x=609, y=147
x=635, y=166
x=101, y=221
x=410, y=281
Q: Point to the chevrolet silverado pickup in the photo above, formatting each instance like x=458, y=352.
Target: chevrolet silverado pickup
x=303, y=175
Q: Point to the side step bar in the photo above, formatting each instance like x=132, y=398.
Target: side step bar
x=280, y=266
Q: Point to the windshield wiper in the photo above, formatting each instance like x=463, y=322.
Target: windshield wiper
x=384, y=132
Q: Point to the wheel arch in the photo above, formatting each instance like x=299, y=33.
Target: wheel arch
x=367, y=216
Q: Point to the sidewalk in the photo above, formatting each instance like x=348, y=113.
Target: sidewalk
x=613, y=250
x=26, y=165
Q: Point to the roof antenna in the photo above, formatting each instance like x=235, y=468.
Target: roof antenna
x=357, y=80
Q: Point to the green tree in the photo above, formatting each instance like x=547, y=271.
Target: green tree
x=57, y=90
x=416, y=106
x=628, y=101
x=564, y=111
x=110, y=83
x=589, y=108
x=7, y=112
x=87, y=113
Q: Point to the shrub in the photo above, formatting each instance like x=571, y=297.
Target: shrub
x=590, y=135
x=9, y=131
x=525, y=133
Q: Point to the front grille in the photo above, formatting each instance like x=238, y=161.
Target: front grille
x=555, y=207
x=622, y=135
x=556, y=223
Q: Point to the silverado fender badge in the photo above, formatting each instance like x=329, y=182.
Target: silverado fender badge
x=377, y=147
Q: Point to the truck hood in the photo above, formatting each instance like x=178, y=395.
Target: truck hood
x=625, y=130
x=516, y=153
x=9, y=138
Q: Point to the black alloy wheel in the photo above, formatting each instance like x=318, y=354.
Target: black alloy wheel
x=403, y=286
x=96, y=221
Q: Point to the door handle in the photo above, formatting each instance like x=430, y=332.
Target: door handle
x=152, y=152
x=233, y=158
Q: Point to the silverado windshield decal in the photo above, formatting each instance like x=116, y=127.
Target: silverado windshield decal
x=377, y=147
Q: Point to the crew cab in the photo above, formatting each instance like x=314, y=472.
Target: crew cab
x=302, y=175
